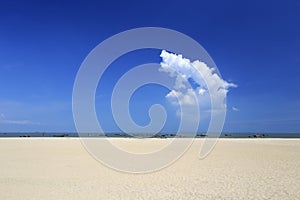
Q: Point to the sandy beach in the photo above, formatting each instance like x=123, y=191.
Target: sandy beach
x=60, y=168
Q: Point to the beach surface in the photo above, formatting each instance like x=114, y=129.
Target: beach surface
x=61, y=168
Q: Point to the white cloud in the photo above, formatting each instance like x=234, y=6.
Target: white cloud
x=186, y=98
x=210, y=84
x=202, y=91
x=3, y=120
x=18, y=122
x=235, y=108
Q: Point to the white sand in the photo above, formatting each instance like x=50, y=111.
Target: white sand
x=60, y=168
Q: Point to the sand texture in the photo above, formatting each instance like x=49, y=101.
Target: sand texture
x=60, y=168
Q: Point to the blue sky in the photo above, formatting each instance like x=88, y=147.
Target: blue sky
x=255, y=44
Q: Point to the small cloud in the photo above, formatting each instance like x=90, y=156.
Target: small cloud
x=235, y=109
x=3, y=120
x=202, y=91
x=18, y=122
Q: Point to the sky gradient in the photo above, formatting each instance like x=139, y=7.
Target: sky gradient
x=255, y=45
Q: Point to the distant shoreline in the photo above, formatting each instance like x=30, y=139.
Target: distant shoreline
x=160, y=135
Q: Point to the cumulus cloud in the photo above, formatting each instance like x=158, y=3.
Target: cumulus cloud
x=186, y=97
x=207, y=84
